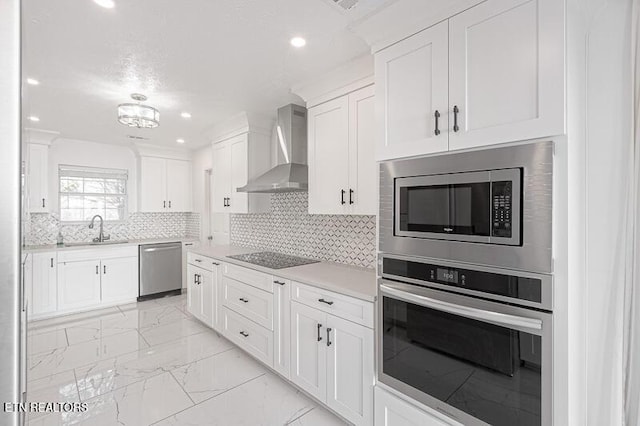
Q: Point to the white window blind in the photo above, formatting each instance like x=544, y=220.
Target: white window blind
x=88, y=191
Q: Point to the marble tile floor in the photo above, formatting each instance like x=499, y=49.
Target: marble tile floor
x=152, y=363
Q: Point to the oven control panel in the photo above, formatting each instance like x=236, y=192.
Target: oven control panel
x=501, y=209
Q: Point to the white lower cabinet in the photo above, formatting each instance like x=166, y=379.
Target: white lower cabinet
x=41, y=284
x=202, y=287
x=251, y=337
x=117, y=276
x=78, y=284
x=90, y=278
x=332, y=359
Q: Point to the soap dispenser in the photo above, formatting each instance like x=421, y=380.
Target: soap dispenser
x=60, y=239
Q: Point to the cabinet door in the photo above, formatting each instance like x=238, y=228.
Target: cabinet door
x=393, y=411
x=43, y=283
x=178, y=186
x=194, y=292
x=308, y=353
x=239, y=201
x=221, y=175
x=208, y=286
x=507, y=72
x=363, y=177
x=282, y=325
x=78, y=284
x=119, y=279
x=328, y=135
x=350, y=370
x=38, y=180
x=153, y=184
x=411, y=89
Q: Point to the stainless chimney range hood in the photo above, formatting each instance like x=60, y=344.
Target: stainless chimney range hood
x=291, y=174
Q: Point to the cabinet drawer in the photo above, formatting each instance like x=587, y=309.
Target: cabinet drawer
x=349, y=308
x=251, y=337
x=253, y=303
x=203, y=262
x=249, y=276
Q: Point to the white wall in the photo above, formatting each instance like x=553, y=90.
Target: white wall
x=84, y=153
x=202, y=160
x=598, y=141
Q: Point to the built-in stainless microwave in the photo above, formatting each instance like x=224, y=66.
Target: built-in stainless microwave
x=486, y=207
x=482, y=207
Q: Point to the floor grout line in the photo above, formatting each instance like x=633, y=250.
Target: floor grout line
x=182, y=387
x=208, y=399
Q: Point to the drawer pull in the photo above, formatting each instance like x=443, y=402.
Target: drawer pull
x=214, y=263
x=328, y=302
x=245, y=334
x=319, y=327
x=328, y=336
x=278, y=282
x=199, y=260
x=242, y=299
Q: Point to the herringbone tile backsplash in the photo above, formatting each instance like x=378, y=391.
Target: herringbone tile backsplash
x=42, y=228
x=289, y=229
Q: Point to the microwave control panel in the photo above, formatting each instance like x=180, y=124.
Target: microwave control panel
x=501, y=209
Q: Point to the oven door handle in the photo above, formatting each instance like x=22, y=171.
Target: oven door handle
x=496, y=318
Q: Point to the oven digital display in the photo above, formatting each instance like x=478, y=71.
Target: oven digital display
x=447, y=275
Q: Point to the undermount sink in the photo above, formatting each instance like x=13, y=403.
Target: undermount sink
x=95, y=243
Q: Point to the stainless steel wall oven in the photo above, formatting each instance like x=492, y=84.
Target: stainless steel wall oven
x=473, y=343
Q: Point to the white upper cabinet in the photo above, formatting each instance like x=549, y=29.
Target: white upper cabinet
x=506, y=76
x=342, y=167
x=37, y=178
x=178, y=185
x=235, y=162
x=411, y=95
x=491, y=74
x=328, y=155
x=363, y=169
x=165, y=185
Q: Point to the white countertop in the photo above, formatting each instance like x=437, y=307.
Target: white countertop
x=54, y=247
x=344, y=279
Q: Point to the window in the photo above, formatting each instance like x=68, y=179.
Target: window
x=88, y=191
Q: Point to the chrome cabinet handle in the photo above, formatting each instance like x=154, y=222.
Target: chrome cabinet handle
x=351, y=196
x=244, y=333
x=104, y=269
x=52, y=262
x=278, y=282
x=455, y=118
x=242, y=299
x=342, y=192
x=214, y=263
x=328, y=302
x=97, y=269
x=437, y=116
x=328, y=336
x=164, y=204
x=43, y=202
x=199, y=260
x=319, y=327
x=169, y=203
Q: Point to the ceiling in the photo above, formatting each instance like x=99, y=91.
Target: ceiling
x=212, y=58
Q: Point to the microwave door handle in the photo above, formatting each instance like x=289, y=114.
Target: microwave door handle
x=496, y=318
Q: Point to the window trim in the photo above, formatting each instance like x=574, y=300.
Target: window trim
x=97, y=172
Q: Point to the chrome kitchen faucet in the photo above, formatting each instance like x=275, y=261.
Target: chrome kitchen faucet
x=101, y=237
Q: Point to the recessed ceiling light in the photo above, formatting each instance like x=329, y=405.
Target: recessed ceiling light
x=180, y=140
x=107, y=4
x=298, y=42
x=32, y=81
x=185, y=115
x=33, y=118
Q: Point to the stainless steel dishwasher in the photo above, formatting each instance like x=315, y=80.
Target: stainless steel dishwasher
x=160, y=270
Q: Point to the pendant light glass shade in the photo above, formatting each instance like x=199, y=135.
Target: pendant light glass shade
x=138, y=115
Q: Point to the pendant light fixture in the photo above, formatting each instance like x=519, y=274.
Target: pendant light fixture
x=137, y=114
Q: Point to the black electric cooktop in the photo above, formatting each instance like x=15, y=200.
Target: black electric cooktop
x=273, y=260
